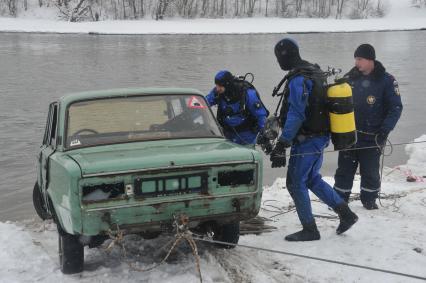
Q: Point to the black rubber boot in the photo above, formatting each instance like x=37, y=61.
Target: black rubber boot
x=370, y=205
x=309, y=233
x=347, y=218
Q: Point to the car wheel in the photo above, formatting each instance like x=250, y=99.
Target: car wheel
x=71, y=254
x=97, y=241
x=39, y=204
x=229, y=233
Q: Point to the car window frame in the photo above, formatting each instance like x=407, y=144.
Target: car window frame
x=52, y=121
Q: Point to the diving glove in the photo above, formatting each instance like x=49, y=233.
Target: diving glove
x=261, y=138
x=278, y=154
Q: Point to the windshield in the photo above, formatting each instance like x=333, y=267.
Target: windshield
x=139, y=118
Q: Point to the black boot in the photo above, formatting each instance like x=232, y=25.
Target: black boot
x=309, y=233
x=347, y=218
x=370, y=205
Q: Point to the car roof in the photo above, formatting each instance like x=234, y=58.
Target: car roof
x=124, y=92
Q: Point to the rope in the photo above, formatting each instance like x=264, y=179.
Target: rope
x=182, y=233
x=314, y=258
x=355, y=148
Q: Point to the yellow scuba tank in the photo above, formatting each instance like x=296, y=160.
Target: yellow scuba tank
x=342, y=117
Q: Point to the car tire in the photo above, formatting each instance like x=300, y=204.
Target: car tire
x=71, y=253
x=229, y=233
x=39, y=204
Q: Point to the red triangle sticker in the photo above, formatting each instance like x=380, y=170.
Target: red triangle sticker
x=195, y=102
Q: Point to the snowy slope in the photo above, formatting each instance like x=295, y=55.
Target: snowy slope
x=401, y=17
x=391, y=238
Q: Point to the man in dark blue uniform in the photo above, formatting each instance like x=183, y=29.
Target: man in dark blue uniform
x=305, y=128
x=378, y=106
x=240, y=111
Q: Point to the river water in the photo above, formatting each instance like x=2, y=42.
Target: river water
x=36, y=69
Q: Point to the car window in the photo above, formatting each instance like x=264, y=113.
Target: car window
x=139, y=118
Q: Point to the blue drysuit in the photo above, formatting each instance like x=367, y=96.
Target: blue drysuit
x=240, y=126
x=306, y=156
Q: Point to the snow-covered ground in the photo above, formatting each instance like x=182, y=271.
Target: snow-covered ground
x=400, y=17
x=391, y=238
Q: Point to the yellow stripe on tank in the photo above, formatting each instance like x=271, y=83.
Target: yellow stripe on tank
x=342, y=123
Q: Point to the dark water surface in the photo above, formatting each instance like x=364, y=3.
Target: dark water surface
x=36, y=69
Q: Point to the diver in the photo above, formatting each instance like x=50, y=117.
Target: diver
x=240, y=111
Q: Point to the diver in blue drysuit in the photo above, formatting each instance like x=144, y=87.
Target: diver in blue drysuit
x=240, y=111
x=306, y=130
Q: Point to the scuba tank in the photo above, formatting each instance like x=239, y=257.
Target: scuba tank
x=342, y=117
x=339, y=106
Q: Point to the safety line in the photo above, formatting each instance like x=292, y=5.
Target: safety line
x=313, y=258
x=353, y=149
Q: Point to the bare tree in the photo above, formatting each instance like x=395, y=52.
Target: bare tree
x=204, y=8
x=161, y=9
x=222, y=8
x=298, y=4
x=283, y=8
x=362, y=6
x=320, y=8
x=250, y=9
x=266, y=8
x=132, y=5
x=80, y=12
x=11, y=5
x=339, y=11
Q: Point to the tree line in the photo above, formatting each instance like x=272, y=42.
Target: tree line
x=95, y=10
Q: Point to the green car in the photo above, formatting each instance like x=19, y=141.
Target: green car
x=131, y=160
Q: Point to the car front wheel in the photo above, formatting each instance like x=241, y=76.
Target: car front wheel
x=71, y=253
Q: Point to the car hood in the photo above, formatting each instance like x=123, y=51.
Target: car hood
x=157, y=154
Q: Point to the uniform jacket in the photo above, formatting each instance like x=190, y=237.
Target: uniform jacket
x=377, y=103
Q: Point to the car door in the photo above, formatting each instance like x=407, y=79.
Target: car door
x=48, y=147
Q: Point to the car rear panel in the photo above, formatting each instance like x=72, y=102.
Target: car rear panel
x=148, y=199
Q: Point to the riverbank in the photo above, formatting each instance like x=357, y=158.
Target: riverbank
x=401, y=17
x=212, y=26
x=391, y=238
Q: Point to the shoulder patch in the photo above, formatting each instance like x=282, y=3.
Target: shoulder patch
x=396, y=87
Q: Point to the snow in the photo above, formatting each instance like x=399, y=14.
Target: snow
x=400, y=17
x=96, y=195
x=391, y=238
x=418, y=157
